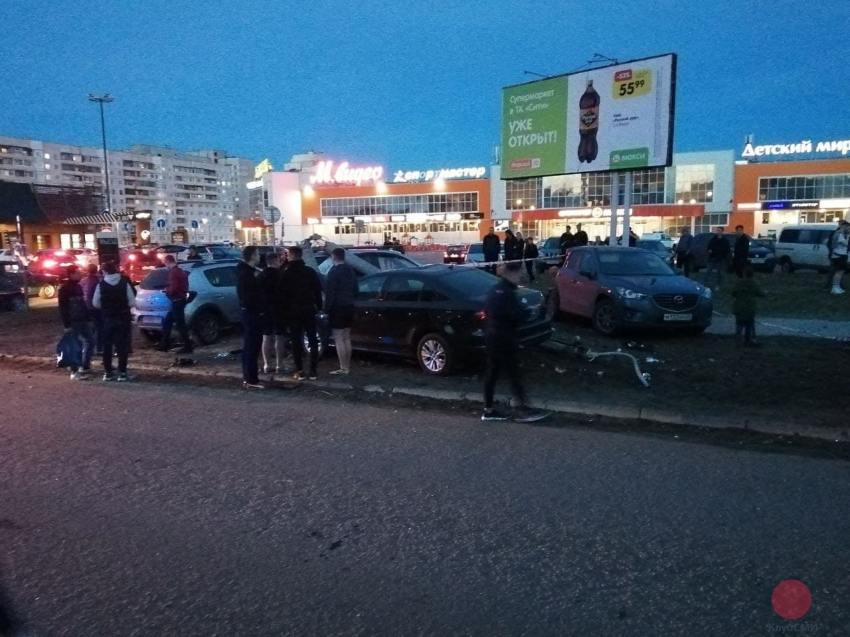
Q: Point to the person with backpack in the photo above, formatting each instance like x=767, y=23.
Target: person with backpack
x=114, y=297
x=76, y=320
x=177, y=292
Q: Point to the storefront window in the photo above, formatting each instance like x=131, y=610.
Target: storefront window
x=708, y=223
x=804, y=187
x=524, y=194
x=695, y=184
x=399, y=204
x=562, y=191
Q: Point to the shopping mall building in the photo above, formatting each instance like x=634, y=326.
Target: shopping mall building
x=361, y=204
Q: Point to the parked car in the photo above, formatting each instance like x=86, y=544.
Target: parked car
x=213, y=305
x=663, y=237
x=804, y=246
x=47, y=267
x=455, y=254
x=370, y=261
x=550, y=254
x=212, y=252
x=434, y=314
x=657, y=247
x=761, y=254
x=13, y=287
x=137, y=263
x=475, y=253
x=618, y=287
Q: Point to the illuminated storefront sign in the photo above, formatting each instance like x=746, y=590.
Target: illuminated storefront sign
x=328, y=173
x=804, y=147
x=408, y=176
x=790, y=205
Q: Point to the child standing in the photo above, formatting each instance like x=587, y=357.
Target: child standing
x=744, y=306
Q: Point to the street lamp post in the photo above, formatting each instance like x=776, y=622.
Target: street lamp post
x=106, y=98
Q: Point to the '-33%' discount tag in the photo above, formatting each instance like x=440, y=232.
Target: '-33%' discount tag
x=632, y=83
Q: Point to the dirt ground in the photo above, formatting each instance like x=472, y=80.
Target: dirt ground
x=791, y=379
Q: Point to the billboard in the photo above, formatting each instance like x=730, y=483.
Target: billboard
x=612, y=118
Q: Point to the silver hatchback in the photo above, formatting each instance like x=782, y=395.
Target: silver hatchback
x=212, y=308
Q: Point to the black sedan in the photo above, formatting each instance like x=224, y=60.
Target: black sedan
x=455, y=254
x=435, y=314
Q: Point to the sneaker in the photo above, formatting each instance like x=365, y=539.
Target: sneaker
x=313, y=376
x=529, y=415
x=124, y=377
x=247, y=385
x=80, y=375
x=340, y=372
x=837, y=290
x=108, y=377
x=492, y=414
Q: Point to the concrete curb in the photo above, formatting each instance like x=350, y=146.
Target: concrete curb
x=619, y=412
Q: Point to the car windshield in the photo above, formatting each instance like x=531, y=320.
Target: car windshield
x=552, y=243
x=469, y=284
x=632, y=263
x=156, y=280
x=476, y=248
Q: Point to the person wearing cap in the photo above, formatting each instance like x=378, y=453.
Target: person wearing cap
x=75, y=318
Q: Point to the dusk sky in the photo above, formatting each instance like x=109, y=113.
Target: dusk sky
x=404, y=84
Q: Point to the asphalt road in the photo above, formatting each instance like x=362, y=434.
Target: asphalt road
x=146, y=509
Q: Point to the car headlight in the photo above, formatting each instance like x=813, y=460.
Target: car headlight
x=706, y=293
x=626, y=293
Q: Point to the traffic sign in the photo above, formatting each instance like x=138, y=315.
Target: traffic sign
x=194, y=224
x=160, y=223
x=271, y=215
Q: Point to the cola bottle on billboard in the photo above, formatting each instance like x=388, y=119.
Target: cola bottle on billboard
x=588, y=124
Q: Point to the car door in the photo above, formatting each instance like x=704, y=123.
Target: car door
x=221, y=291
x=368, y=319
x=585, y=286
x=401, y=310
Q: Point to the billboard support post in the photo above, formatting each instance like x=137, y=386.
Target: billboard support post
x=627, y=207
x=615, y=203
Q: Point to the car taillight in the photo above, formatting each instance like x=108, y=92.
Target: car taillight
x=50, y=263
x=481, y=316
x=131, y=257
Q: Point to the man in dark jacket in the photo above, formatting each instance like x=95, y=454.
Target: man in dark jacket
x=684, y=258
x=274, y=326
x=513, y=249
x=530, y=254
x=75, y=318
x=177, y=292
x=114, y=297
x=568, y=240
x=192, y=254
x=252, y=306
x=504, y=314
x=740, y=251
x=580, y=237
x=340, y=292
x=302, y=291
x=718, y=251
x=491, y=247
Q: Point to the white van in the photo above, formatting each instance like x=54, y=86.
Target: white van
x=804, y=245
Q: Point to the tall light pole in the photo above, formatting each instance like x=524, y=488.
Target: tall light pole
x=106, y=98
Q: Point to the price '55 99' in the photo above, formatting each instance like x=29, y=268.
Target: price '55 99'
x=630, y=83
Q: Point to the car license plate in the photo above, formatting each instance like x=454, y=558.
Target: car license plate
x=678, y=317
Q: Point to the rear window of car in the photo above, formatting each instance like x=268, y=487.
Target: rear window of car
x=632, y=263
x=156, y=280
x=469, y=283
x=221, y=277
x=476, y=248
x=789, y=236
x=386, y=261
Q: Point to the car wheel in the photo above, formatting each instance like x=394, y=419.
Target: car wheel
x=150, y=335
x=604, y=319
x=434, y=355
x=553, y=305
x=207, y=327
x=786, y=266
x=47, y=291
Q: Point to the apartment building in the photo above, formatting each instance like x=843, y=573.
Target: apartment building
x=165, y=194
